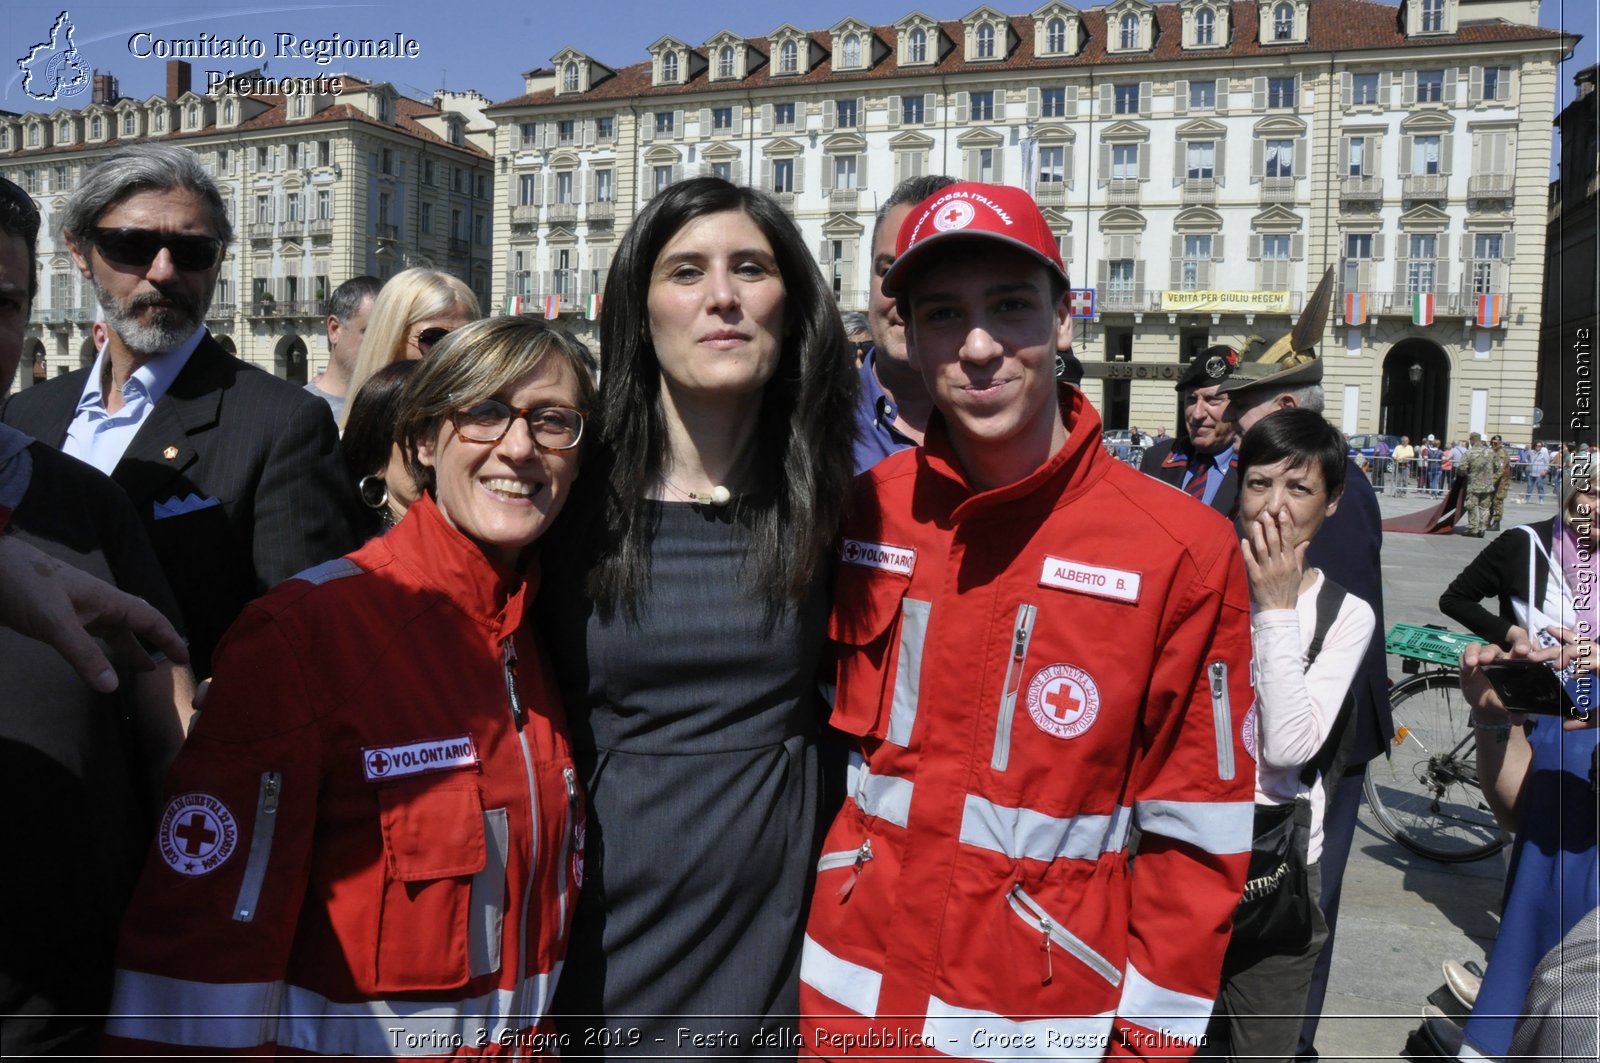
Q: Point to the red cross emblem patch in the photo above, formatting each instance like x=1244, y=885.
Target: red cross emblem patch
x=957, y=214
x=1063, y=700
x=197, y=834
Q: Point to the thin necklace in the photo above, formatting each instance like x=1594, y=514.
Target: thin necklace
x=717, y=496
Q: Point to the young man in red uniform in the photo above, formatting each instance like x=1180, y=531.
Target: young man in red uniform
x=1039, y=650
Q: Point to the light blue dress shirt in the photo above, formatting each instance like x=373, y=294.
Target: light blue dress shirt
x=101, y=438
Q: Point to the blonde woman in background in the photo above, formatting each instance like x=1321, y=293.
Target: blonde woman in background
x=414, y=310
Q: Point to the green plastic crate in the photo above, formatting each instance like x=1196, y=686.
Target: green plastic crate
x=1427, y=643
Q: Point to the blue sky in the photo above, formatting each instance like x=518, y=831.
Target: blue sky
x=482, y=44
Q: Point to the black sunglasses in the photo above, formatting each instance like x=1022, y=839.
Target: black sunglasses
x=430, y=336
x=139, y=247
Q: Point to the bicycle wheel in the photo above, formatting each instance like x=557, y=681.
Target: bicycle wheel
x=1425, y=793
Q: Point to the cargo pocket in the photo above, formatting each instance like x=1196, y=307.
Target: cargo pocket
x=434, y=844
x=877, y=634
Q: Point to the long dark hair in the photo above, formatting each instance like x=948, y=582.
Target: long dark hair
x=806, y=431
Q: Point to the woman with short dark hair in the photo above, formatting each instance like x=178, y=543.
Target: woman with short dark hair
x=686, y=618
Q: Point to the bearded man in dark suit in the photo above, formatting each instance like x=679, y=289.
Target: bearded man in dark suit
x=234, y=472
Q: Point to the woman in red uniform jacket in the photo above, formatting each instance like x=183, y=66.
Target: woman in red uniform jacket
x=372, y=841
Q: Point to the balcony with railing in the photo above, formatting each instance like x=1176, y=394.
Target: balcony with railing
x=386, y=231
x=1490, y=186
x=1126, y=299
x=1199, y=191
x=601, y=211
x=266, y=306
x=525, y=214
x=262, y=230
x=220, y=311
x=1426, y=186
x=1277, y=190
x=1123, y=191
x=843, y=198
x=81, y=315
x=320, y=226
x=1359, y=188
x=563, y=212
x=1051, y=194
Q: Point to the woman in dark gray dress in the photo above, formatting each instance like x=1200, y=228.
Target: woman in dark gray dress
x=687, y=621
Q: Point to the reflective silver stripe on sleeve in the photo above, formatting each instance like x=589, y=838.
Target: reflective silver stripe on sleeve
x=974, y=1034
x=173, y=1011
x=201, y=1015
x=1220, y=827
x=908, y=672
x=486, y=905
x=884, y=797
x=328, y=571
x=406, y=1027
x=1179, y=1016
x=1023, y=834
x=255, y=866
x=849, y=984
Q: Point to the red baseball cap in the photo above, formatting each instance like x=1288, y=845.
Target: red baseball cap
x=969, y=210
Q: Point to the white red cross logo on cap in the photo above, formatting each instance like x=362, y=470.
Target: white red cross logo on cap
x=957, y=214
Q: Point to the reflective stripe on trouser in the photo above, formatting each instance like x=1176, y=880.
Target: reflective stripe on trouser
x=1219, y=827
x=1022, y=833
x=173, y=1011
x=1180, y=1016
x=974, y=1034
x=850, y=984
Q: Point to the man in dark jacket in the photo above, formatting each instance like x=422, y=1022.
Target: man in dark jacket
x=235, y=474
x=1203, y=463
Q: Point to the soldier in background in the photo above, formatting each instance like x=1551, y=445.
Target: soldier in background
x=1479, y=470
x=1502, y=480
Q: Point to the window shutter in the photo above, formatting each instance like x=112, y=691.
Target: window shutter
x=1374, y=157
x=1180, y=162
x=1033, y=104
x=1258, y=94
x=1297, y=247
x=1465, y=243
x=677, y=126
x=999, y=166
x=827, y=173
x=677, y=172
x=1408, y=88
x=1452, y=78
x=1300, y=157
x=1066, y=250
x=647, y=128
x=1146, y=91
x=825, y=257
x=999, y=105
x=1474, y=84
x=1258, y=159
x=1070, y=100
x=1105, y=275
x=1219, y=158
x=705, y=121
x=766, y=117
x=1138, y=275
x=963, y=108
x=1508, y=247
x=588, y=186
x=1066, y=164
x=1405, y=156
x=863, y=167
x=1222, y=95
x=1180, y=97
x=589, y=133
x=799, y=173
x=830, y=115
x=1385, y=87
x=549, y=134
x=1105, y=164
x=1445, y=143
x=1144, y=161
x=1377, y=246
x=861, y=111
x=538, y=188
x=1502, y=87
x=766, y=174
x=1345, y=89
x=1216, y=248
x=894, y=111
x=1344, y=156
x=1253, y=248
x=930, y=108
x=1177, y=262
x=1106, y=105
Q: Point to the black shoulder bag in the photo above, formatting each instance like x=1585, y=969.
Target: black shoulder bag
x=1274, y=915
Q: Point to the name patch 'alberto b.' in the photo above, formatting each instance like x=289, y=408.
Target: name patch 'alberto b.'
x=1119, y=584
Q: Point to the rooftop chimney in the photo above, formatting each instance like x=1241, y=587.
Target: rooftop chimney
x=177, y=78
x=105, y=88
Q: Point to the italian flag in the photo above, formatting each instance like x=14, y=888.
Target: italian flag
x=513, y=305
x=1489, y=310
x=1422, y=308
x=552, y=307
x=1355, y=308
x=591, y=307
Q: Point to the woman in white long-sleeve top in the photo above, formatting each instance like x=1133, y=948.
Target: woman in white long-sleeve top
x=1309, y=637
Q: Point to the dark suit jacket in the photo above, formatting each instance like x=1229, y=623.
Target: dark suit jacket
x=1501, y=571
x=1167, y=461
x=265, y=449
x=1348, y=550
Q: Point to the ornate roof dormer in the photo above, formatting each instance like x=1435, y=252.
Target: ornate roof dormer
x=1057, y=30
x=576, y=72
x=1207, y=24
x=1130, y=27
x=988, y=37
x=855, y=46
x=793, y=52
x=673, y=62
x=919, y=41
x=1429, y=18
x=729, y=57
x=1283, y=21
